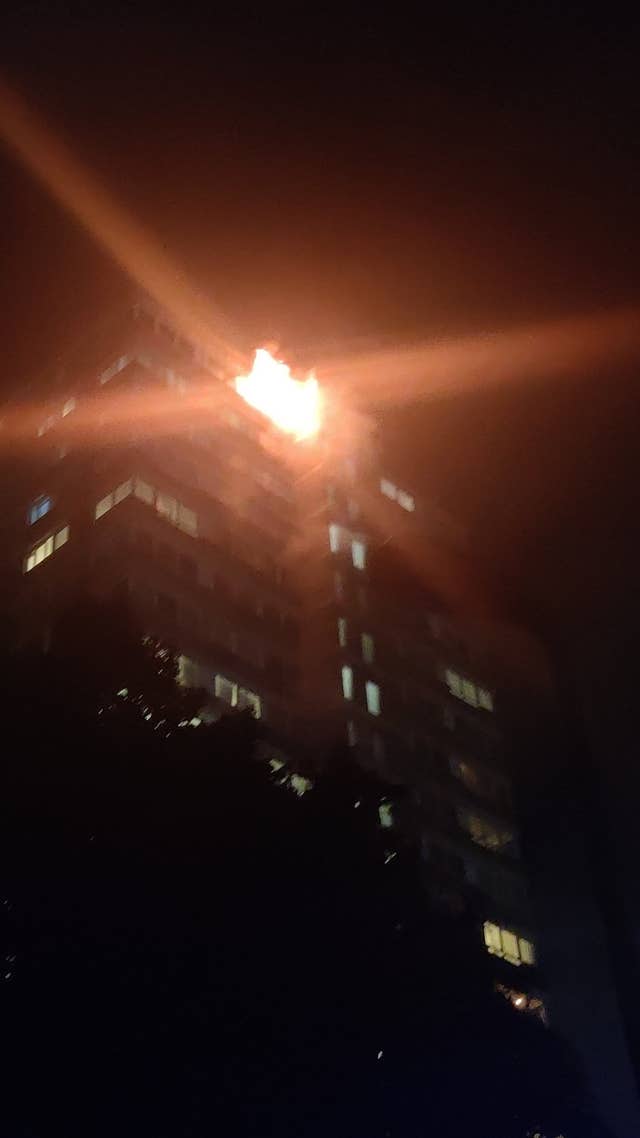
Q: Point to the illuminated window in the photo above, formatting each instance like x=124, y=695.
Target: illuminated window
x=358, y=553
x=167, y=507
x=373, y=697
x=485, y=699
x=390, y=490
x=249, y=700
x=385, y=815
x=122, y=491
x=45, y=548
x=352, y=734
x=40, y=553
x=69, y=406
x=347, y=681
x=368, y=650
x=523, y=1002
x=335, y=537
x=483, y=832
x=342, y=632
x=502, y=942
x=144, y=491
x=468, y=691
x=226, y=690
x=187, y=520
x=104, y=505
x=39, y=508
x=49, y=422
x=116, y=367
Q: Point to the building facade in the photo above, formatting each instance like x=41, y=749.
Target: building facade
x=299, y=580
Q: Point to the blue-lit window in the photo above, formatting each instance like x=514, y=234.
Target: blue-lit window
x=39, y=508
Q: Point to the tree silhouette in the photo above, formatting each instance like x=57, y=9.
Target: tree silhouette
x=199, y=950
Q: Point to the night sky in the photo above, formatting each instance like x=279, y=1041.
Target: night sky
x=327, y=175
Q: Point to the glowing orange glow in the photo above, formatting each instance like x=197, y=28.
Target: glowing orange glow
x=292, y=404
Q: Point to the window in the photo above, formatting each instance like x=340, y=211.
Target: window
x=144, y=491
x=352, y=734
x=226, y=690
x=390, y=490
x=48, y=423
x=468, y=691
x=335, y=537
x=373, y=697
x=385, y=815
x=167, y=507
x=40, y=553
x=69, y=406
x=502, y=942
x=116, y=367
x=407, y=501
x=342, y=632
x=187, y=520
x=347, y=681
x=250, y=700
x=367, y=648
x=483, y=832
x=122, y=491
x=104, y=505
x=45, y=548
x=39, y=508
x=523, y=1002
x=358, y=553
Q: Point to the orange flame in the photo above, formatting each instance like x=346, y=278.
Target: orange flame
x=292, y=404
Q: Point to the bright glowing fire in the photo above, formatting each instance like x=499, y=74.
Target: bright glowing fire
x=292, y=404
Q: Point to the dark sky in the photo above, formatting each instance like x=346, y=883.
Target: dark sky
x=326, y=174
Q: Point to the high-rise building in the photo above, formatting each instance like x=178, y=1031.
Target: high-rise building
x=299, y=579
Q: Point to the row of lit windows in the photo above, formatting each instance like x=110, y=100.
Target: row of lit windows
x=468, y=691
x=372, y=690
x=168, y=507
x=390, y=490
x=340, y=539
x=366, y=641
x=502, y=942
x=231, y=692
x=45, y=548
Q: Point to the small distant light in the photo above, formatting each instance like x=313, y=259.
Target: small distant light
x=356, y=804
x=519, y=1001
x=380, y=1054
